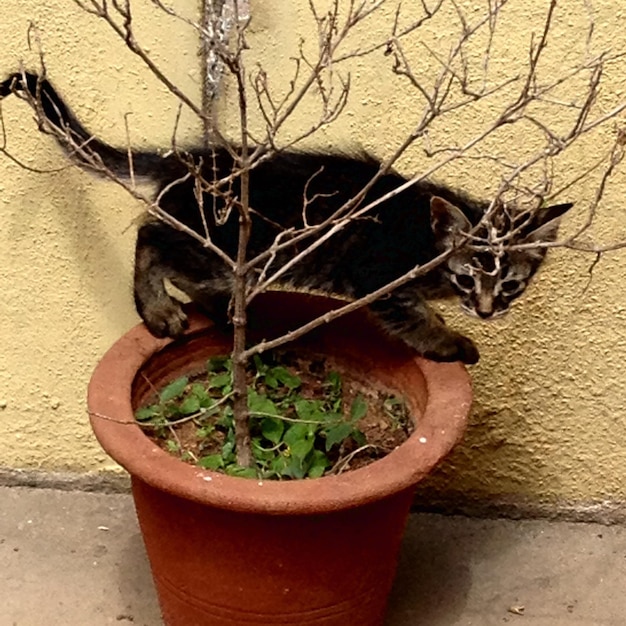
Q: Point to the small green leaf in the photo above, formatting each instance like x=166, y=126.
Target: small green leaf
x=228, y=450
x=319, y=464
x=330, y=417
x=309, y=410
x=205, y=431
x=295, y=433
x=279, y=465
x=220, y=381
x=300, y=448
x=201, y=393
x=316, y=471
x=243, y=472
x=226, y=420
x=260, y=403
x=392, y=401
x=147, y=412
x=190, y=405
x=262, y=454
x=270, y=379
x=358, y=409
x=396, y=409
x=295, y=468
x=337, y=434
x=159, y=422
x=174, y=390
x=171, y=410
x=172, y=446
x=218, y=364
x=272, y=429
x=211, y=461
x=334, y=381
x=281, y=376
x=291, y=381
x=359, y=437
x=260, y=367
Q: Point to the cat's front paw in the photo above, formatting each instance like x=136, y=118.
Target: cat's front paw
x=454, y=348
x=165, y=318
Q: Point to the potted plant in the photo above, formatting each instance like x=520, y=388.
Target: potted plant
x=230, y=550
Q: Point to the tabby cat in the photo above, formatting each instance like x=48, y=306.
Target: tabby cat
x=400, y=233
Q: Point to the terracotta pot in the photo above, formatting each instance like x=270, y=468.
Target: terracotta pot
x=236, y=551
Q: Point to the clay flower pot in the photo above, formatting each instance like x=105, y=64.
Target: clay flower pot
x=227, y=550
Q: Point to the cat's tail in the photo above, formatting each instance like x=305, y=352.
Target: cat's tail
x=85, y=149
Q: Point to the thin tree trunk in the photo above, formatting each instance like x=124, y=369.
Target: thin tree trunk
x=240, y=388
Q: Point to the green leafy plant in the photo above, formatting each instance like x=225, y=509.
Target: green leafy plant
x=302, y=424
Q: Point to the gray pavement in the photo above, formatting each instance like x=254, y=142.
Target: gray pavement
x=76, y=559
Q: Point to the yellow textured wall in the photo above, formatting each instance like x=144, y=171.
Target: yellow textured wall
x=549, y=417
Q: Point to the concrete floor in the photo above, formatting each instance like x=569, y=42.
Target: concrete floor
x=76, y=559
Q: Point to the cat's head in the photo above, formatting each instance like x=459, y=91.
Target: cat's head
x=485, y=272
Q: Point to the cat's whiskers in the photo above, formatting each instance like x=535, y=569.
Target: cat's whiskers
x=468, y=310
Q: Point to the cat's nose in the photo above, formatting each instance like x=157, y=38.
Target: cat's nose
x=484, y=306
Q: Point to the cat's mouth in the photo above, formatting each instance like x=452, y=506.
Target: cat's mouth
x=485, y=316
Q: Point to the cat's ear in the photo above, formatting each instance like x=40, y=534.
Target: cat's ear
x=447, y=222
x=545, y=222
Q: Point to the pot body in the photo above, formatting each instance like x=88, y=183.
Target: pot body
x=233, y=551
x=214, y=567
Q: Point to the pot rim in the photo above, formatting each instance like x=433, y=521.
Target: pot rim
x=438, y=429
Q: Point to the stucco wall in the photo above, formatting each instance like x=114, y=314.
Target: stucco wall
x=549, y=416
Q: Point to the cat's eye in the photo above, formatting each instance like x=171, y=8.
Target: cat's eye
x=510, y=286
x=464, y=281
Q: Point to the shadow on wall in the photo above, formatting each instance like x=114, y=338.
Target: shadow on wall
x=491, y=458
x=105, y=268
x=96, y=249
